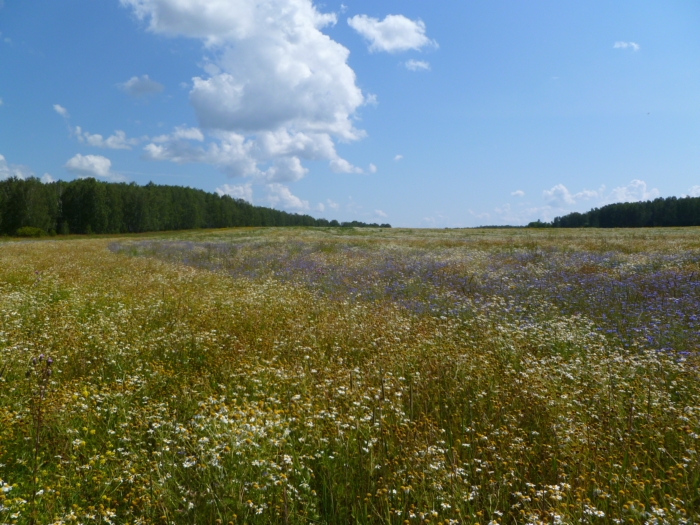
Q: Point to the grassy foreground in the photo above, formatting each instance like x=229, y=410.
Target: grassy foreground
x=343, y=376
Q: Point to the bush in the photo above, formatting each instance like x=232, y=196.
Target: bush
x=30, y=231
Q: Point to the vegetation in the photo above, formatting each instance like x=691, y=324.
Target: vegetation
x=30, y=231
x=290, y=375
x=89, y=206
x=670, y=211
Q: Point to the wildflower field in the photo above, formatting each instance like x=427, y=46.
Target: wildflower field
x=342, y=376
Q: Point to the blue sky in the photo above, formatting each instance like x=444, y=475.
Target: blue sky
x=414, y=113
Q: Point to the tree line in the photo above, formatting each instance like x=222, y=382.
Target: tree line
x=88, y=206
x=669, y=211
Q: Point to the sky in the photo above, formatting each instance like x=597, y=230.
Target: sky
x=420, y=114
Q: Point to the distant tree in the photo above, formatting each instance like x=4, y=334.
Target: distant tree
x=91, y=206
x=670, y=211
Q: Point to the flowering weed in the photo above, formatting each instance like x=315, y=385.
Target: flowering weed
x=340, y=376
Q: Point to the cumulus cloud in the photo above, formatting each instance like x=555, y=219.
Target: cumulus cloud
x=232, y=154
x=393, y=34
x=180, y=133
x=60, y=110
x=559, y=200
x=276, y=91
x=558, y=196
x=281, y=152
x=635, y=191
x=116, y=141
x=332, y=205
x=398, y=158
x=372, y=168
x=287, y=169
x=278, y=195
x=320, y=207
x=561, y=197
x=46, y=178
x=141, y=86
x=517, y=193
x=92, y=166
x=1, y=102
x=13, y=170
x=380, y=213
x=626, y=45
x=694, y=191
x=417, y=65
x=239, y=191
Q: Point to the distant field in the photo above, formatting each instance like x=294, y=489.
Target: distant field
x=343, y=376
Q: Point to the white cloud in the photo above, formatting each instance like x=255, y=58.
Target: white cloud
x=398, y=158
x=277, y=90
x=372, y=168
x=626, y=45
x=116, y=141
x=232, y=154
x=371, y=100
x=517, y=193
x=502, y=210
x=285, y=169
x=1, y=102
x=437, y=219
x=236, y=155
x=560, y=196
x=46, y=178
x=343, y=166
x=13, y=170
x=635, y=191
x=417, y=65
x=241, y=191
x=279, y=195
x=140, y=86
x=380, y=213
x=559, y=201
x=393, y=34
x=694, y=191
x=92, y=166
x=180, y=133
x=332, y=205
x=320, y=207
x=60, y=110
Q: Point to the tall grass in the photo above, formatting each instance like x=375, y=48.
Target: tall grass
x=308, y=376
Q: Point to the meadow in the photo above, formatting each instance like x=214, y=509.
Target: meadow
x=351, y=376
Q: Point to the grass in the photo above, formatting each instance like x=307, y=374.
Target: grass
x=324, y=376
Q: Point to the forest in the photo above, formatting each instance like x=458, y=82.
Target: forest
x=87, y=206
x=669, y=211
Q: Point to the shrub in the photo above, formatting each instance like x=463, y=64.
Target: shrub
x=30, y=231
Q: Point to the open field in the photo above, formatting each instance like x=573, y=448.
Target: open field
x=346, y=376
